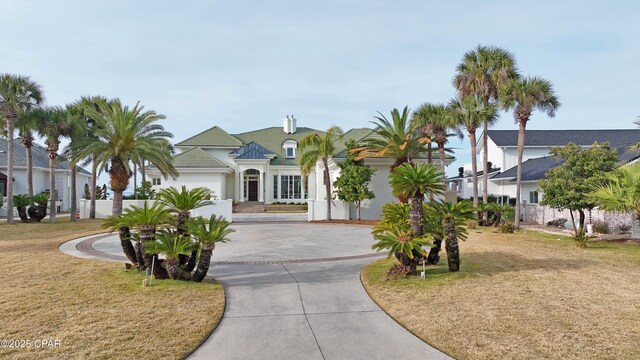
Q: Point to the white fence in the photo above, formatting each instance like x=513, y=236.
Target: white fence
x=104, y=208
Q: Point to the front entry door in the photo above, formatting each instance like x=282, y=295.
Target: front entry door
x=253, y=191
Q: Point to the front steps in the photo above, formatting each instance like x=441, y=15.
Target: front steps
x=250, y=207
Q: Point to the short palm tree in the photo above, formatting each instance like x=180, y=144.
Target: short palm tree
x=414, y=182
x=207, y=233
x=471, y=112
x=146, y=220
x=53, y=123
x=401, y=243
x=394, y=139
x=172, y=245
x=620, y=192
x=438, y=118
x=483, y=72
x=453, y=216
x=523, y=96
x=181, y=202
x=316, y=146
x=124, y=134
x=17, y=94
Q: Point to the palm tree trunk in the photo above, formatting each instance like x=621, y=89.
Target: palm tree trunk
x=522, y=124
x=135, y=181
x=52, y=187
x=434, y=258
x=203, y=264
x=10, y=121
x=29, y=152
x=327, y=184
x=74, y=195
x=415, y=216
x=441, y=154
x=94, y=184
x=127, y=247
x=485, y=170
x=142, y=171
x=474, y=167
x=451, y=243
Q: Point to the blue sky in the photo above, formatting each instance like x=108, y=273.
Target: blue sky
x=244, y=65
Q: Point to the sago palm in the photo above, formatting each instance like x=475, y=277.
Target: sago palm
x=172, y=245
x=483, y=72
x=401, y=243
x=414, y=182
x=180, y=203
x=207, y=233
x=620, y=192
x=523, y=96
x=17, y=94
x=316, y=146
x=453, y=216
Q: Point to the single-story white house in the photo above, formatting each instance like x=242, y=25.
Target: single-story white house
x=40, y=161
x=262, y=167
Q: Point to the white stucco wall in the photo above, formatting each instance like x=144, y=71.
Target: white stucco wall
x=215, y=181
x=104, y=208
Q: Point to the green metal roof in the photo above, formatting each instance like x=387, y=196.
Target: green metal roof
x=272, y=139
x=197, y=158
x=215, y=136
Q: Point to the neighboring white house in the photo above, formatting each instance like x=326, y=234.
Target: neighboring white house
x=40, y=160
x=262, y=167
x=503, y=155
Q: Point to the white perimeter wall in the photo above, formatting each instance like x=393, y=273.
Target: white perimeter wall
x=216, y=182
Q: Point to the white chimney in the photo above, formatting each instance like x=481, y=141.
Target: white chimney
x=289, y=124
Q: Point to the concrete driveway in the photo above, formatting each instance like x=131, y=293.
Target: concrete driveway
x=293, y=292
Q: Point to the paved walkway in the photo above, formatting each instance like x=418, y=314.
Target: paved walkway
x=293, y=292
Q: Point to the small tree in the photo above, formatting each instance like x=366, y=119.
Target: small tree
x=353, y=183
x=585, y=168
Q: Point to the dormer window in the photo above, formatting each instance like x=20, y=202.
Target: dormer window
x=290, y=147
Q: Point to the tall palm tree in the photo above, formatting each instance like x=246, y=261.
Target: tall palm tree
x=523, y=96
x=26, y=127
x=483, y=71
x=471, y=112
x=78, y=109
x=207, y=233
x=53, y=124
x=17, y=94
x=73, y=149
x=393, y=138
x=438, y=118
x=124, y=134
x=181, y=203
x=314, y=147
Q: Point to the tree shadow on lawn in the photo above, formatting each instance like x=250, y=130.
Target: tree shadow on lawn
x=493, y=262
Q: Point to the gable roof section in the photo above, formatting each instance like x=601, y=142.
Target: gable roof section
x=272, y=139
x=39, y=157
x=198, y=159
x=532, y=169
x=253, y=151
x=215, y=136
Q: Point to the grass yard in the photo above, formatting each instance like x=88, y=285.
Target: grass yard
x=522, y=296
x=96, y=309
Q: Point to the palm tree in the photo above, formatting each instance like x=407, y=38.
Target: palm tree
x=17, y=94
x=438, y=118
x=26, y=126
x=452, y=217
x=414, y=182
x=146, y=220
x=122, y=135
x=393, y=138
x=207, y=233
x=181, y=203
x=53, y=123
x=620, y=192
x=172, y=245
x=482, y=72
x=524, y=96
x=78, y=109
x=316, y=146
x=471, y=112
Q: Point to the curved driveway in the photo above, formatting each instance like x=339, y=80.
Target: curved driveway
x=293, y=292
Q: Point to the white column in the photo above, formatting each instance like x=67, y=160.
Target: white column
x=236, y=180
x=261, y=186
x=267, y=178
x=241, y=186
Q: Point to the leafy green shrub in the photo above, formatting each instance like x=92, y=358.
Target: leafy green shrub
x=600, y=227
x=507, y=227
